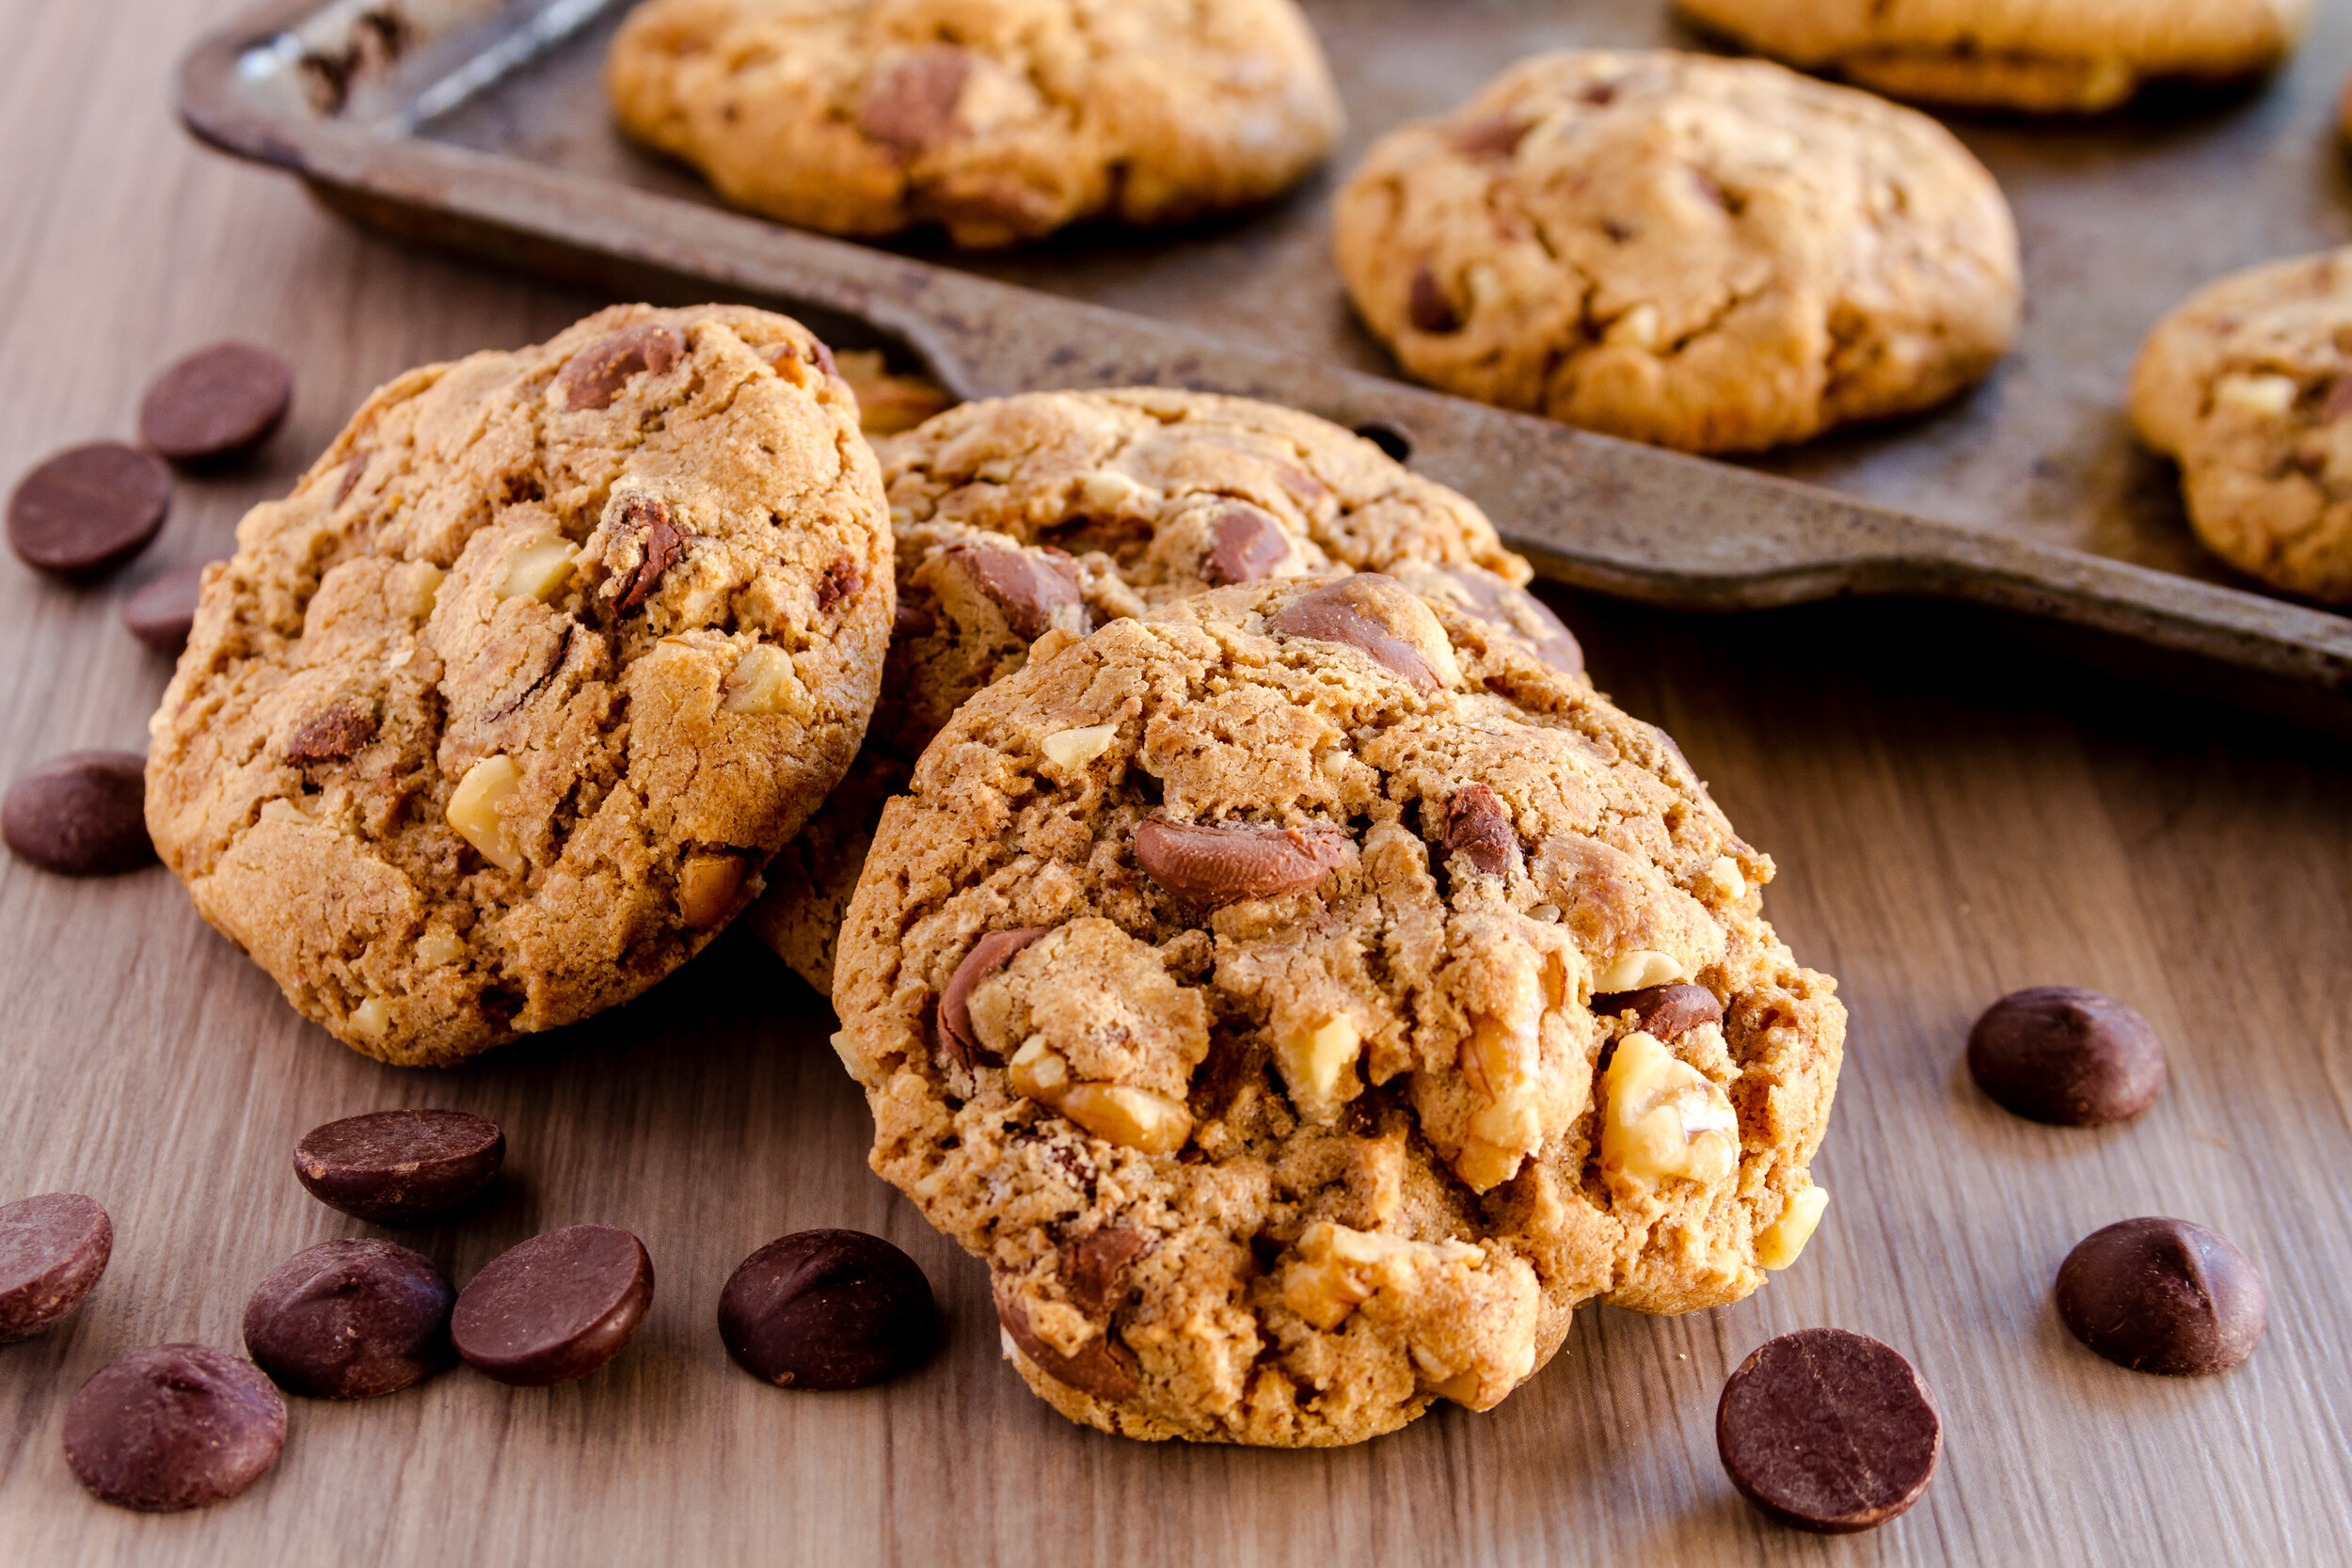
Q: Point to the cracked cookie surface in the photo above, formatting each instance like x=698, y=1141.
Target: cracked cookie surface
x=2071, y=56
x=1051, y=514
x=2247, y=384
x=1355, y=1001
x=1716, y=255
x=492, y=723
x=999, y=120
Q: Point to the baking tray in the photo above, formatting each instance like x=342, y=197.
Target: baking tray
x=481, y=126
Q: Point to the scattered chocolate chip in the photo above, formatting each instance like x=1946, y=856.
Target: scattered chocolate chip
x=330, y=736
x=594, y=377
x=399, y=1167
x=1339, y=613
x=1477, y=826
x=1426, y=306
x=2067, y=1057
x=956, y=1039
x=1663, y=1011
x=2160, y=1295
x=554, y=1307
x=1219, y=862
x=911, y=103
x=1029, y=590
x=1828, y=1431
x=1489, y=136
x=89, y=509
x=173, y=1427
x=52, y=1248
x=80, y=815
x=828, y=1309
x=842, y=579
x=650, y=542
x=1102, y=1366
x=218, y=404
x=164, y=612
x=1245, y=544
x=350, y=1320
x=1094, y=1265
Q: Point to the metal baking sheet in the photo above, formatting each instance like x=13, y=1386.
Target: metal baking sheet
x=482, y=126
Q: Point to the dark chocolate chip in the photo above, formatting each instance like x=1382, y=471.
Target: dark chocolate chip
x=218, y=404
x=1477, y=826
x=164, y=612
x=911, y=103
x=1094, y=1266
x=1218, y=862
x=350, y=1320
x=173, y=1427
x=399, y=1167
x=1245, y=544
x=1103, y=1367
x=1029, y=590
x=650, y=534
x=1662, y=1011
x=88, y=509
x=956, y=1039
x=2067, y=1057
x=330, y=736
x=594, y=377
x=555, y=1307
x=80, y=815
x=1426, y=306
x=2161, y=1295
x=52, y=1248
x=1828, y=1431
x=828, y=1309
x=1338, y=614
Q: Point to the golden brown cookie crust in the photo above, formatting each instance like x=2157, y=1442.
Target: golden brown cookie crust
x=491, y=723
x=2076, y=57
x=1230, y=990
x=1716, y=255
x=2248, y=385
x=1000, y=121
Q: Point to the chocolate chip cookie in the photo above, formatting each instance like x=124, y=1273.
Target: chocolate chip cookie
x=1717, y=255
x=1053, y=512
x=1302, y=1009
x=999, y=121
x=2248, y=384
x=2077, y=56
x=492, y=723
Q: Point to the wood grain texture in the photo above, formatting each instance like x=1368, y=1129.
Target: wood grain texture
x=1954, y=816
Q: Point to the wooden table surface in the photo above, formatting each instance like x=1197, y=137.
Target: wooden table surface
x=1955, y=815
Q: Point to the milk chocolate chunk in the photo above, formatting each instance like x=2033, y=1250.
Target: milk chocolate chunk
x=1476, y=826
x=1663, y=1011
x=1101, y=1367
x=1094, y=1266
x=989, y=954
x=400, y=1167
x=1028, y=591
x=652, y=543
x=164, y=612
x=330, y=734
x=53, y=1249
x=1244, y=546
x=2163, y=1295
x=1219, y=862
x=1340, y=612
x=555, y=1307
x=89, y=509
x=1426, y=306
x=828, y=1309
x=1828, y=1431
x=80, y=815
x=216, y=404
x=350, y=1320
x=2067, y=1057
x=910, y=103
x=594, y=377
x=173, y=1427
x=1527, y=617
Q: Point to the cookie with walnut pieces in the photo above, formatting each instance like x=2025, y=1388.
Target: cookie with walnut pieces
x=493, y=722
x=1714, y=255
x=2248, y=384
x=1044, y=515
x=1301, y=1007
x=999, y=121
